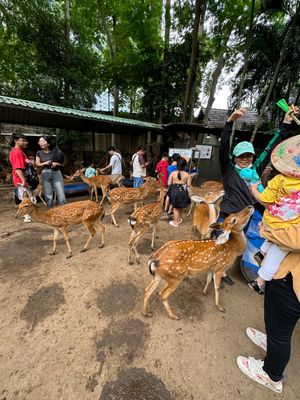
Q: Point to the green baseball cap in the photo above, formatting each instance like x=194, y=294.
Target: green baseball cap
x=243, y=147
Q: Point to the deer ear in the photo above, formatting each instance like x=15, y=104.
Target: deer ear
x=223, y=238
x=216, y=226
x=25, y=195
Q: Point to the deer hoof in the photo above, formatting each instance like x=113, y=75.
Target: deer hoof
x=138, y=261
x=222, y=309
x=83, y=250
x=101, y=245
x=147, y=315
x=69, y=256
x=204, y=293
x=52, y=253
x=176, y=317
x=130, y=262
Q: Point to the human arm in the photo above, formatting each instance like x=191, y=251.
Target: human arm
x=189, y=181
x=281, y=134
x=224, y=154
x=105, y=168
x=142, y=162
x=21, y=175
x=270, y=194
x=58, y=158
x=256, y=194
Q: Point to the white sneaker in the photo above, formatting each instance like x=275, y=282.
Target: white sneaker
x=253, y=369
x=257, y=337
x=173, y=224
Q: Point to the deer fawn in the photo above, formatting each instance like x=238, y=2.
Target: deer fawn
x=207, y=186
x=98, y=181
x=80, y=212
x=177, y=259
x=124, y=195
x=206, y=213
x=142, y=220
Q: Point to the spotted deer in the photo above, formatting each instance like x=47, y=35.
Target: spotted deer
x=142, y=220
x=98, y=181
x=80, y=212
x=115, y=179
x=124, y=195
x=177, y=259
x=206, y=213
x=207, y=186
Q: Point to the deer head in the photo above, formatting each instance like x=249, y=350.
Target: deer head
x=232, y=224
x=208, y=198
x=26, y=206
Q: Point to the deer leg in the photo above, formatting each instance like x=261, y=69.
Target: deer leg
x=103, y=189
x=153, y=236
x=90, y=227
x=190, y=210
x=96, y=193
x=164, y=295
x=113, y=210
x=66, y=237
x=217, y=281
x=55, y=236
x=148, y=292
x=101, y=229
x=208, y=281
x=130, y=247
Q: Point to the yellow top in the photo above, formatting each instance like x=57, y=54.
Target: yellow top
x=281, y=185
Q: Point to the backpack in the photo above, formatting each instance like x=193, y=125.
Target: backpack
x=31, y=177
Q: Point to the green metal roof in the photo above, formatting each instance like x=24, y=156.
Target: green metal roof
x=13, y=110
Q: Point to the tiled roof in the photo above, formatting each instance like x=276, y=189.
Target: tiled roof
x=217, y=118
x=69, y=112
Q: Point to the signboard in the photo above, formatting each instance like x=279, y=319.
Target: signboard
x=203, y=151
x=182, y=152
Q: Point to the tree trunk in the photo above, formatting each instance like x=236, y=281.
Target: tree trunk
x=187, y=110
x=276, y=73
x=165, y=58
x=215, y=78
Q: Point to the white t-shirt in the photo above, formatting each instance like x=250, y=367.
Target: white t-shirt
x=138, y=170
x=116, y=163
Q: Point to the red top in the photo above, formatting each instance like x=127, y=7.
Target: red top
x=18, y=160
x=162, y=168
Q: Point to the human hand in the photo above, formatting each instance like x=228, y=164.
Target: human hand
x=294, y=111
x=237, y=114
x=54, y=164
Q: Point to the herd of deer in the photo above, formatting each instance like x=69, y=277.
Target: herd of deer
x=176, y=259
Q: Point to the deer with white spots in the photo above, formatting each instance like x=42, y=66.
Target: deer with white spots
x=206, y=213
x=206, y=187
x=177, y=259
x=98, y=181
x=142, y=220
x=125, y=195
x=80, y=212
x=115, y=179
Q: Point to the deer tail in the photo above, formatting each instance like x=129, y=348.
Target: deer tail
x=153, y=265
x=132, y=221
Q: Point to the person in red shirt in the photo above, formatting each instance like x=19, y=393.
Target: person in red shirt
x=162, y=168
x=18, y=160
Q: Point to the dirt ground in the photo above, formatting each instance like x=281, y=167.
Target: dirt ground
x=72, y=328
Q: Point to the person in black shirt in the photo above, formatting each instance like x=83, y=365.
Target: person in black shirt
x=50, y=160
x=237, y=193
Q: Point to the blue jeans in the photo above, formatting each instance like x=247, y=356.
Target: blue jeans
x=53, y=181
x=137, y=182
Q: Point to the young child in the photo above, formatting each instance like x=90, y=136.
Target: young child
x=282, y=201
x=90, y=171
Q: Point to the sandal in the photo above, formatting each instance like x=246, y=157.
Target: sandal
x=255, y=286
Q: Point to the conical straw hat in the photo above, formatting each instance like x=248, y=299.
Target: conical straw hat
x=286, y=157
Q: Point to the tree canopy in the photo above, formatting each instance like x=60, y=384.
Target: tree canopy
x=162, y=59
